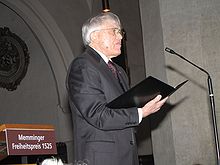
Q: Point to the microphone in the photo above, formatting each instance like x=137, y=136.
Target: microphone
x=173, y=52
x=211, y=98
x=170, y=50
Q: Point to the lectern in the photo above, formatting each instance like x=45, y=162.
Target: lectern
x=27, y=139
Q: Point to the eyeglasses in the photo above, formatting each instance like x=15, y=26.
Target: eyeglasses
x=116, y=31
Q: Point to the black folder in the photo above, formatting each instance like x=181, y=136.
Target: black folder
x=143, y=92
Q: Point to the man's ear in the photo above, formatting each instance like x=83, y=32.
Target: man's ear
x=94, y=37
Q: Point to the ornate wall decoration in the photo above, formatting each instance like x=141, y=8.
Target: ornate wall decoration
x=14, y=59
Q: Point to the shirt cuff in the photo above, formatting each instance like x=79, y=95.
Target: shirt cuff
x=140, y=114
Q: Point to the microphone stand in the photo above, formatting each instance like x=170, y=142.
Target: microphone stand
x=212, y=102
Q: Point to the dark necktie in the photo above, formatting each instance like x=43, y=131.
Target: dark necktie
x=114, y=71
x=112, y=67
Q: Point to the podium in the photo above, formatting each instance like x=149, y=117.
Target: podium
x=27, y=139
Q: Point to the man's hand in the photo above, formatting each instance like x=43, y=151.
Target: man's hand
x=153, y=106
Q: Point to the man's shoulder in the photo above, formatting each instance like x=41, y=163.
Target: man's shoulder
x=79, y=61
x=87, y=54
x=83, y=61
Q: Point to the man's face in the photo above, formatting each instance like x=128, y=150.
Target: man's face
x=107, y=39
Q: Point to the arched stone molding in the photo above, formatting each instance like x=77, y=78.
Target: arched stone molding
x=90, y=2
x=52, y=41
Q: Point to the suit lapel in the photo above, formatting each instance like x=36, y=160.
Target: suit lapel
x=106, y=71
x=122, y=78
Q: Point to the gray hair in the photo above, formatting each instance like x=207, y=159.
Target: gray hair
x=94, y=23
x=52, y=161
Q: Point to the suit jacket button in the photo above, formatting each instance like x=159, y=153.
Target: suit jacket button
x=131, y=143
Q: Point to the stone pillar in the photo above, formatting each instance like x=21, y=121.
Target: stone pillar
x=192, y=28
x=161, y=126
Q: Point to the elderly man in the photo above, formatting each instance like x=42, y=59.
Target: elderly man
x=103, y=136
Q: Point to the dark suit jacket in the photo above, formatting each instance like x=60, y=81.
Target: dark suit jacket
x=102, y=136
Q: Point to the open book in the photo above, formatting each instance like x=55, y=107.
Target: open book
x=143, y=92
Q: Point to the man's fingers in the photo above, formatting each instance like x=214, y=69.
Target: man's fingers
x=157, y=98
